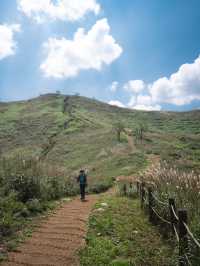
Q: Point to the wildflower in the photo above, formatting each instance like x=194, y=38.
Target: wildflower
x=104, y=204
x=100, y=209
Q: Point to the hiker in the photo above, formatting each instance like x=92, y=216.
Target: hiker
x=82, y=179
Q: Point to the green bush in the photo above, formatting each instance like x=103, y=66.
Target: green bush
x=100, y=185
x=12, y=213
x=34, y=206
x=26, y=189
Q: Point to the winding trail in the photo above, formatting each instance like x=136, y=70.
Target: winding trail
x=57, y=239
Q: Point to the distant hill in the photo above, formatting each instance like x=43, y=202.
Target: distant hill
x=74, y=132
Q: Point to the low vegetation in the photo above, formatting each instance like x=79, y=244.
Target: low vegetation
x=184, y=188
x=120, y=235
x=28, y=188
x=45, y=141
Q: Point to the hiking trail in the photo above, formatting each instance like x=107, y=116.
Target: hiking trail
x=57, y=239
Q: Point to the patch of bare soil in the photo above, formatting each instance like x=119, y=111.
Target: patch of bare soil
x=131, y=143
x=56, y=241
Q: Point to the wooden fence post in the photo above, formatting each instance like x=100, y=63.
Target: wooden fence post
x=124, y=189
x=142, y=194
x=138, y=188
x=150, y=199
x=183, y=241
x=172, y=218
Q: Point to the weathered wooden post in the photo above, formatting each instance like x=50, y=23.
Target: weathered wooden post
x=183, y=241
x=142, y=194
x=172, y=217
x=150, y=200
x=138, y=187
x=124, y=189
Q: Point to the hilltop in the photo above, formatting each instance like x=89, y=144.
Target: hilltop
x=73, y=132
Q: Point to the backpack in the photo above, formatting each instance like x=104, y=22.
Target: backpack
x=82, y=178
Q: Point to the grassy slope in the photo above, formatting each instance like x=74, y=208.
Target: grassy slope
x=77, y=132
x=82, y=135
x=120, y=235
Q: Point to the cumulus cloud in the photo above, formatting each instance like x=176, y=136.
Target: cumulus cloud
x=181, y=88
x=114, y=86
x=91, y=50
x=117, y=103
x=7, y=42
x=139, y=103
x=143, y=107
x=66, y=10
x=143, y=102
x=135, y=86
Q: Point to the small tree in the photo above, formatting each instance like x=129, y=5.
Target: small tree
x=119, y=128
x=140, y=129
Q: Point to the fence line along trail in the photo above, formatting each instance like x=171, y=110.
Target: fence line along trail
x=56, y=241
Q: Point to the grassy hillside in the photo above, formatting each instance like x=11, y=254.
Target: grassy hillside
x=73, y=132
x=45, y=141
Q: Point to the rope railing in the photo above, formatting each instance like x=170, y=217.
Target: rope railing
x=195, y=241
x=174, y=213
x=177, y=221
x=159, y=201
x=176, y=233
x=160, y=217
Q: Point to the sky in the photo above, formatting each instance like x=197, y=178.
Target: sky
x=140, y=54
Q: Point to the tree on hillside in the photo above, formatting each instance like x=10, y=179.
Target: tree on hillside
x=119, y=128
x=140, y=130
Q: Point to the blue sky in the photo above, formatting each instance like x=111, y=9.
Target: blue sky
x=139, y=54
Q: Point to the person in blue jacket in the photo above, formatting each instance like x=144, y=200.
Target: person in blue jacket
x=82, y=179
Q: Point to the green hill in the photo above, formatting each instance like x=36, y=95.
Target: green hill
x=73, y=132
x=46, y=140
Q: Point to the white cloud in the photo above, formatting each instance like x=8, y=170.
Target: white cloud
x=117, y=103
x=134, y=86
x=143, y=102
x=138, y=103
x=181, y=88
x=91, y=50
x=7, y=42
x=114, y=86
x=147, y=107
x=66, y=10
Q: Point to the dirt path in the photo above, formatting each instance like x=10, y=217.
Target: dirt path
x=131, y=143
x=56, y=240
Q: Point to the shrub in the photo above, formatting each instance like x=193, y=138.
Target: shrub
x=170, y=182
x=34, y=206
x=26, y=187
x=100, y=185
x=12, y=213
